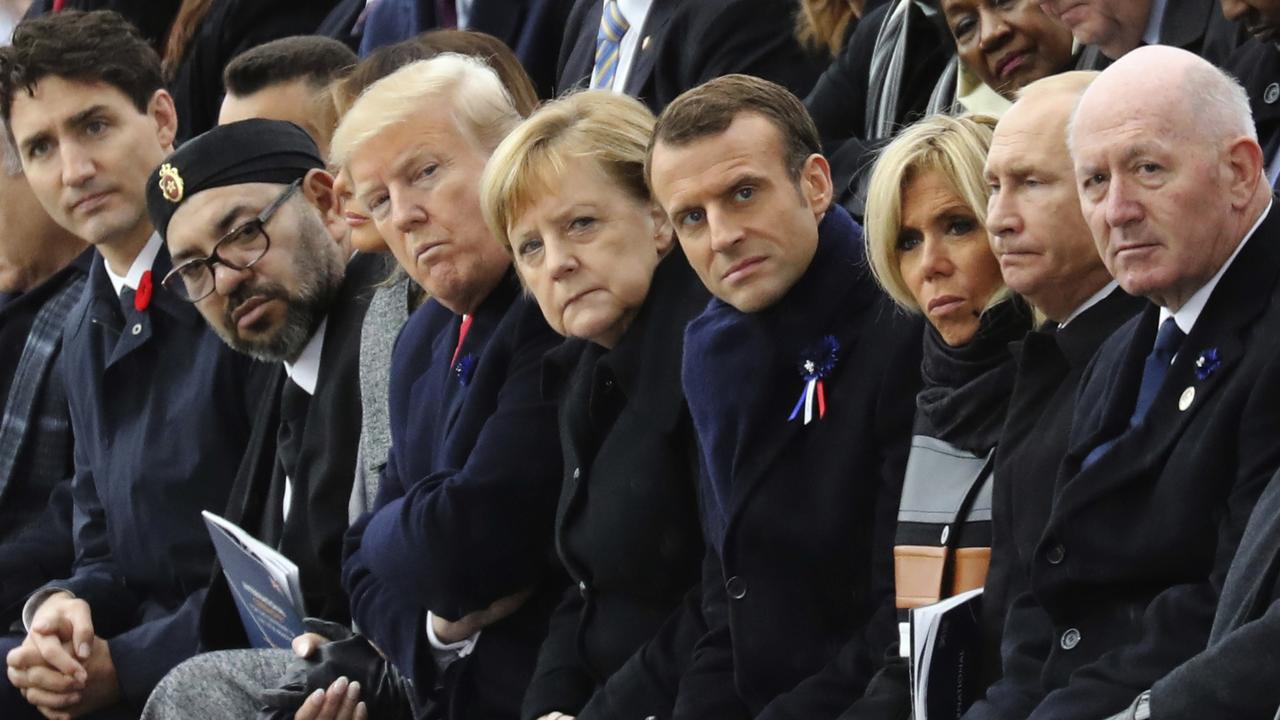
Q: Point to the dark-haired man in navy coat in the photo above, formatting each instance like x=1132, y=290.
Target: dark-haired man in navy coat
x=801, y=381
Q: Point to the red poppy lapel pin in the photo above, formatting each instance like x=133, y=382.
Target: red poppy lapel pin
x=142, y=296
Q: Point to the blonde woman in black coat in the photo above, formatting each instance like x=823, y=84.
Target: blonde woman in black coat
x=566, y=193
x=927, y=245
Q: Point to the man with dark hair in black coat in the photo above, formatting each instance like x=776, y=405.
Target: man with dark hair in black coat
x=801, y=381
x=1174, y=433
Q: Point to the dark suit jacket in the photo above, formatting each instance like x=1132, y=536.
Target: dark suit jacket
x=1125, y=578
x=312, y=535
x=1051, y=362
x=627, y=526
x=533, y=29
x=1257, y=65
x=1197, y=26
x=161, y=413
x=36, y=461
x=733, y=36
x=799, y=518
x=465, y=511
x=1235, y=677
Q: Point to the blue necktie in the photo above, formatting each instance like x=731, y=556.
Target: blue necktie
x=1154, y=370
x=609, y=45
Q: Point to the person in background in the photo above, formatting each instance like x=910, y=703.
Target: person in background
x=565, y=193
x=1047, y=256
x=1257, y=65
x=1002, y=47
x=641, y=48
x=160, y=409
x=827, y=24
x=927, y=246
x=1173, y=438
x=801, y=381
x=42, y=275
x=1116, y=27
x=207, y=34
x=287, y=79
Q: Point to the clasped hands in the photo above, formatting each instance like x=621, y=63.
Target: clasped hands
x=62, y=667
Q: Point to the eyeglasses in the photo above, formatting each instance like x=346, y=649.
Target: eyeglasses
x=240, y=249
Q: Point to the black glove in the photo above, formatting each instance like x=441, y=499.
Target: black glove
x=348, y=655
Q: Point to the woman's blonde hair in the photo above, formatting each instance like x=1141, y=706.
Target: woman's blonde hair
x=954, y=147
x=612, y=130
x=480, y=104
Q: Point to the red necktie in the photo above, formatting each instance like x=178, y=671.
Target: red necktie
x=462, y=335
x=57, y=5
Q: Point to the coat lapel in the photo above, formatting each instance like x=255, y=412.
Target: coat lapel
x=1194, y=379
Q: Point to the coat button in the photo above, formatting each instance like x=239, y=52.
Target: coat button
x=736, y=588
x=1070, y=639
x=577, y=472
x=1271, y=94
x=136, y=329
x=582, y=588
x=1056, y=554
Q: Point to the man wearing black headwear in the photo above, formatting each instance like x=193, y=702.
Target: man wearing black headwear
x=247, y=213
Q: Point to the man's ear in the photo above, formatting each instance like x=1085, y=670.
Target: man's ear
x=165, y=114
x=663, y=233
x=816, y=185
x=1245, y=166
x=317, y=186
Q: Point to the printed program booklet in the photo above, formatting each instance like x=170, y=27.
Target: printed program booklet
x=263, y=582
x=946, y=647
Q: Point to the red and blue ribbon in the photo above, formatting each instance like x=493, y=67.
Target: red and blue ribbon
x=815, y=366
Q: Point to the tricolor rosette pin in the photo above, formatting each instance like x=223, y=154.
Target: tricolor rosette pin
x=815, y=366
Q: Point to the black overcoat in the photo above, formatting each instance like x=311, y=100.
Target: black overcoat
x=1051, y=362
x=627, y=525
x=799, y=518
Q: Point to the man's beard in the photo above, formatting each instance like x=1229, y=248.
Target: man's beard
x=320, y=277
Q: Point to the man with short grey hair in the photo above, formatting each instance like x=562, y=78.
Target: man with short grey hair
x=1174, y=432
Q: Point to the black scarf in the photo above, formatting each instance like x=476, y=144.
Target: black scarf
x=966, y=388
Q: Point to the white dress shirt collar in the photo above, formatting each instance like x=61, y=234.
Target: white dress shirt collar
x=1151, y=35
x=305, y=371
x=1094, y=299
x=1187, y=315
x=141, y=264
